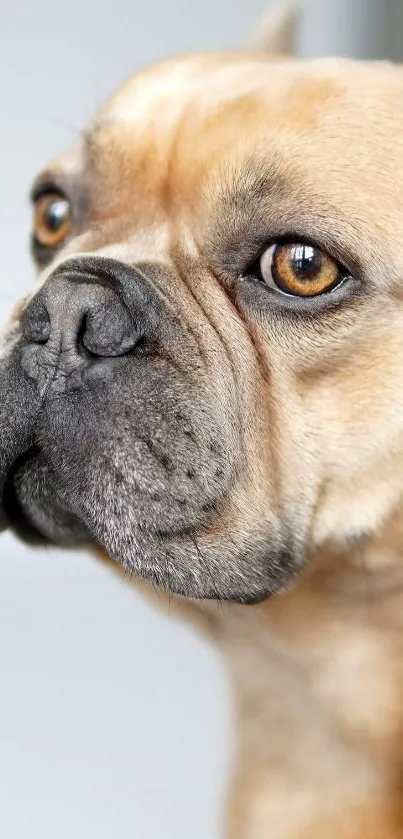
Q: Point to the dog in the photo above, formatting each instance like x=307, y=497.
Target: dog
x=206, y=384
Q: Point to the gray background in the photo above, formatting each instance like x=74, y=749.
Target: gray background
x=113, y=718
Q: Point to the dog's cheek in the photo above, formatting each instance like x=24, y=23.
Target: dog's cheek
x=358, y=414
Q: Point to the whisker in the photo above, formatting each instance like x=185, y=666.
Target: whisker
x=77, y=131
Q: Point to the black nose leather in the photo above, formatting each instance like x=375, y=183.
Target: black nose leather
x=84, y=314
x=78, y=316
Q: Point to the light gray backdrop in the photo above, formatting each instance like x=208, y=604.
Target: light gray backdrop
x=113, y=718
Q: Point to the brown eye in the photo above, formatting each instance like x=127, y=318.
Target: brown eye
x=300, y=269
x=52, y=220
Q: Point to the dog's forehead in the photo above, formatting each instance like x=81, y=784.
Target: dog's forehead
x=272, y=94
x=323, y=126
x=166, y=88
x=207, y=82
x=211, y=104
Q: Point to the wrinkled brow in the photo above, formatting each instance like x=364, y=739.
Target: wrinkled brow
x=254, y=202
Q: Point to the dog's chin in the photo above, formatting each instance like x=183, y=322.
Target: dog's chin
x=185, y=561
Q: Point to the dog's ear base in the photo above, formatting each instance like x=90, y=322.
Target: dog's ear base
x=276, y=32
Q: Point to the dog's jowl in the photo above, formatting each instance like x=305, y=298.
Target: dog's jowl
x=206, y=384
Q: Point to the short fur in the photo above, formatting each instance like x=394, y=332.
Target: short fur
x=249, y=446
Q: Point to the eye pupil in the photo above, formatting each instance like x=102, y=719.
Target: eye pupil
x=305, y=261
x=56, y=214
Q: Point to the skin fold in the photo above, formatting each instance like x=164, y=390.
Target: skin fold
x=240, y=447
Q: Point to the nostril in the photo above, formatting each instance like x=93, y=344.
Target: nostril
x=35, y=322
x=82, y=332
x=81, y=319
x=107, y=329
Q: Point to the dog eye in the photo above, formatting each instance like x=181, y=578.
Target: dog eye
x=300, y=270
x=52, y=220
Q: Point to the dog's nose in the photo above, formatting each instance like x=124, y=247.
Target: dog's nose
x=90, y=316
x=77, y=317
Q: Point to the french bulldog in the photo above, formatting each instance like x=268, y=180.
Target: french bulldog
x=206, y=384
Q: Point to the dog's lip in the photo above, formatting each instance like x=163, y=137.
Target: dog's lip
x=4, y=523
x=12, y=514
x=5, y=485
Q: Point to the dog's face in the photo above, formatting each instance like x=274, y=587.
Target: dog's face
x=207, y=379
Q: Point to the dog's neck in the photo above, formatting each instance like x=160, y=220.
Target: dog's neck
x=317, y=680
x=318, y=683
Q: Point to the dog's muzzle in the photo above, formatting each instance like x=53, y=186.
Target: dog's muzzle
x=76, y=319
x=111, y=432
x=76, y=334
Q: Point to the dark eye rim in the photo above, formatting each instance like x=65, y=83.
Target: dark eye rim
x=247, y=289
x=47, y=187
x=252, y=295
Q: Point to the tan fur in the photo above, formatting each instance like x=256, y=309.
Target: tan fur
x=317, y=672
